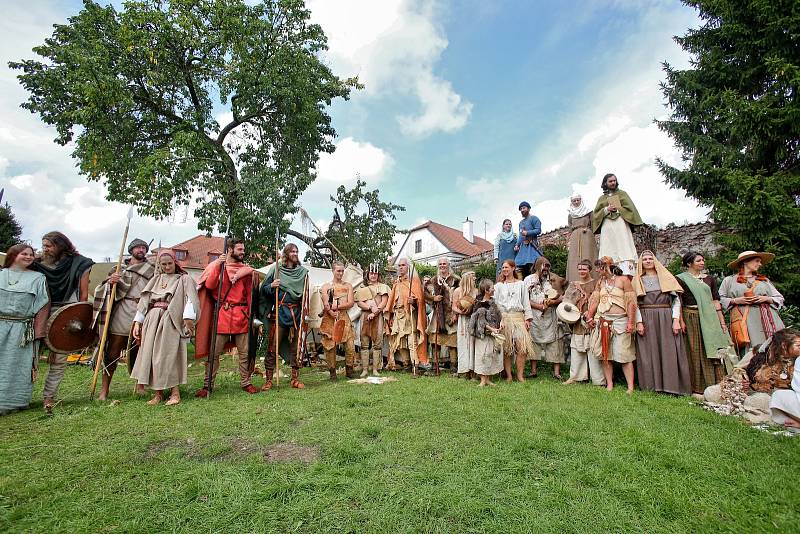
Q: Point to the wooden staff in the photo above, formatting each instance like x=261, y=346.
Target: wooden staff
x=277, y=304
x=301, y=330
x=215, y=317
x=109, y=304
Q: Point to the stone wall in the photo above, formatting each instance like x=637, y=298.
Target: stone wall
x=668, y=242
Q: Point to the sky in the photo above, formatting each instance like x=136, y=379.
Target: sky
x=469, y=107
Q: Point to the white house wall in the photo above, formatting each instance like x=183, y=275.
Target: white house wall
x=432, y=248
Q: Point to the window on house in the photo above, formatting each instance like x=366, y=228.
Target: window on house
x=212, y=257
x=417, y=246
x=180, y=255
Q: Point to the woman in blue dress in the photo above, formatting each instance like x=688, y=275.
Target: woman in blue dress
x=504, y=245
x=23, y=314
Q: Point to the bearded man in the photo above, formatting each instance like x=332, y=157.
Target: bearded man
x=613, y=218
x=443, y=326
x=545, y=291
x=406, y=309
x=134, y=275
x=235, y=319
x=292, y=291
x=371, y=298
x=67, y=274
x=336, y=328
x=527, y=247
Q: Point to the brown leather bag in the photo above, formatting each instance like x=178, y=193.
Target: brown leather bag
x=738, y=329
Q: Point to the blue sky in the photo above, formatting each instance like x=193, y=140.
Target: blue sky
x=469, y=107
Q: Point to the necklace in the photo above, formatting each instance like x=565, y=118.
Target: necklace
x=13, y=282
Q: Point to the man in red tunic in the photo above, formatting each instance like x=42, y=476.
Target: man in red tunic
x=235, y=313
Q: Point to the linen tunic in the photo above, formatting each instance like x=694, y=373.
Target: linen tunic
x=22, y=295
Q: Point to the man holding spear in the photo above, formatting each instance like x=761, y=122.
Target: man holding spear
x=290, y=290
x=234, y=299
x=133, y=275
x=406, y=309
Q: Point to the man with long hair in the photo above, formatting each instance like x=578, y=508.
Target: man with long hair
x=614, y=217
x=292, y=291
x=67, y=274
x=545, y=290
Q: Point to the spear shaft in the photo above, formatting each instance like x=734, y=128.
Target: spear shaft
x=215, y=319
x=109, y=304
x=277, y=309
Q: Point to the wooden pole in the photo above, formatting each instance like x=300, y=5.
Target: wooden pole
x=277, y=309
x=109, y=304
x=211, y=360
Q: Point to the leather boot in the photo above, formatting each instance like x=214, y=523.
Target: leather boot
x=377, y=359
x=268, y=384
x=348, y=371
x=332, y=372
x=364, y=363
x=296, y=379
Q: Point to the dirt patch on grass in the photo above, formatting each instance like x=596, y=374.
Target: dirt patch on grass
x=291, y=452
x=240, y=448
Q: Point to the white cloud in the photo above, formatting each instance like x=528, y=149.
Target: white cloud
x=393, y=46
x=351, y=158
x=608, y=130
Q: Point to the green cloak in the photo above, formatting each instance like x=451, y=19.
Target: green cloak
x=627, y=210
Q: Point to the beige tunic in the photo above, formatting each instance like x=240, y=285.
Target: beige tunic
x=369, y=295
x=125, y=307
x=161, y=363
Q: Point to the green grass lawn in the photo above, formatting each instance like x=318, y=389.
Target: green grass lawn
x=424, y=455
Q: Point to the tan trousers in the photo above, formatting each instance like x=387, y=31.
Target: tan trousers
x=349, y=355
x=245, y=367
x=582, y=366
x=55, y=373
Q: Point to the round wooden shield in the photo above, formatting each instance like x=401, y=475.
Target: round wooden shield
x=70, y=328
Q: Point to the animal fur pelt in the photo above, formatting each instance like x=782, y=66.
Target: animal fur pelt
x=485, y=314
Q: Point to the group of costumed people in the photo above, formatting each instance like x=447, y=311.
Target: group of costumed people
x=613, y=305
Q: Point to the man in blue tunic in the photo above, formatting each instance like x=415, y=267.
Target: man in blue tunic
x=527, y=247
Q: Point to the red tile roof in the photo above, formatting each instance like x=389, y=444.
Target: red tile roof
x=454, y=239
x=198, y=250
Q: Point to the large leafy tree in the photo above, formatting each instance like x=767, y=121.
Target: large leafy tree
x=10, y=229
x=140, y=92
x=362, y=229
x=735, y=114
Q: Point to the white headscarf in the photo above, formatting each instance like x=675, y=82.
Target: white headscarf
x=579, y=211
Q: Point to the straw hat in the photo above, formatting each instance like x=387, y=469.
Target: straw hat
x=568, y=313
x=766, y=257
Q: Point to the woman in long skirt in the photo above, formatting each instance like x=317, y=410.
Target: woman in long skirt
x=706, y=332
x=164, y=323
x=515, y=307
x=23, y=314
x=463, y=300
x=484, y=324
x=752, y=300
x=661, y=362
